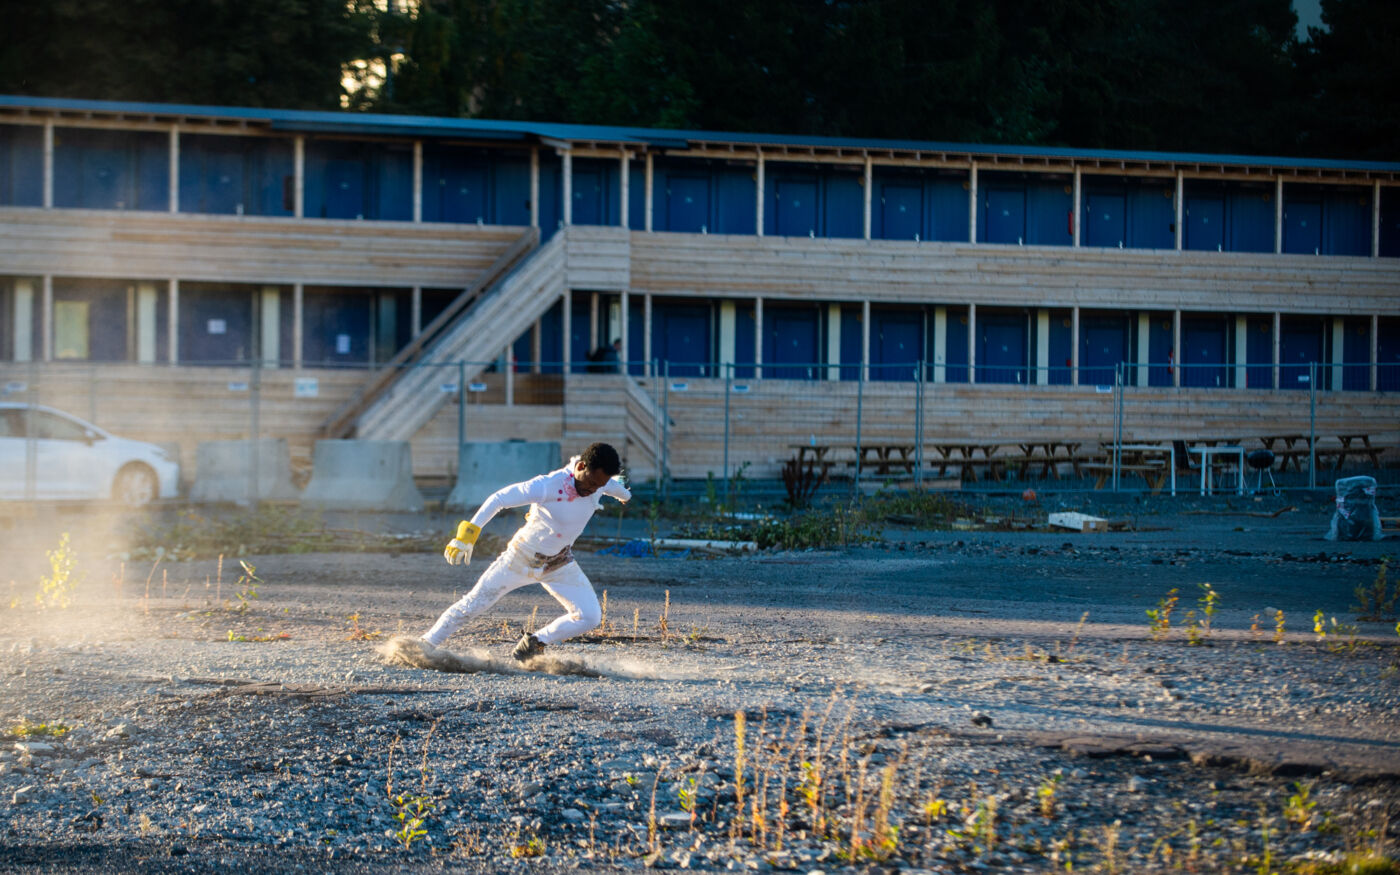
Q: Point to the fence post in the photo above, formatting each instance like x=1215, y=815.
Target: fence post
x=31, y=439
x=1117, y=426
x=860, y=401
x=461, y=406
x=728, y=379
x=666, y=430
x=919, y=426
x=254, y=457
x=1312, y=425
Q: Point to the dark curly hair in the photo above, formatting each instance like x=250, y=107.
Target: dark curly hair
x=603, y=456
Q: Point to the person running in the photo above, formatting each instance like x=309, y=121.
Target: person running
x=541, y=551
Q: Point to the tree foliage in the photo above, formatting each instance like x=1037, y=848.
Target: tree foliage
x=1182, y=75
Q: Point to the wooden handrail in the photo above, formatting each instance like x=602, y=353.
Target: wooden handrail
x=340, y=423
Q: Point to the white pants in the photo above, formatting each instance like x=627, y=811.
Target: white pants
x=512, y=570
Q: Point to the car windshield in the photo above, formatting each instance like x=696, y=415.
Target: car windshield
x=11, y=422
x=46, y=425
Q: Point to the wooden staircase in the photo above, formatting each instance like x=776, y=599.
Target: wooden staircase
x=616, y=409
x=501, y=305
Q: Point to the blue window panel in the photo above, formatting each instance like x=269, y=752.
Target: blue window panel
x=683, y=332
x=1004, y=215
x=1105, y=217
x=743, y=340
x=794, y=207
x=1151, y=217
x=1061, y=345
x=1347, y=223
x=1103, y=343
x=510, y=197
x=1302, y=226
x=1259, y=354
x=1251, y=220
x=896, y=344
x=637, y=195
x=551, y=194
x=589, y=197
x=152, y=172
x=1205, y=223
x=687, y=203
x=1001, y=348
x=216, y=325
x=1300, y=344
x=1390, y=222
x=955, y=346
x=1162, y=367
x=636, y=336
x=844, y=206
x=736, y=193
x=337, y=327
x=1203, y=352
x=901, y=211
x=1388, y=355
x=579, y=334
x=1356, y=355
x=393, y=176
x=945, y=199
x=211, y=175
x=1048, y=214
x=21, y=165
x=792, y=336
x=851, y=342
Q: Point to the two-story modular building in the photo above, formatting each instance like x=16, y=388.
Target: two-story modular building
x=167, y=269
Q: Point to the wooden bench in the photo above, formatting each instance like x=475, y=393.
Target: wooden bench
x=1155, y=473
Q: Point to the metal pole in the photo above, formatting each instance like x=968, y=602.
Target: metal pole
x=665, y=434
x=1312, y=425
x=860, y=400
x=31, y=438
x=919, y=426
x=254, y=457
x=1117, y=426
x=461, y=406
x=728, y=378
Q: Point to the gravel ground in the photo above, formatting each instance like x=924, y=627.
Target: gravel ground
x=942, y=701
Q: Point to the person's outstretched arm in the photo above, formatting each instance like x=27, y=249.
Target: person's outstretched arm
x=459, y=549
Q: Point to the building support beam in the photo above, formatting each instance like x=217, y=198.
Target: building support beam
x=1144, y=348
x=48, y=164
x=567, y=194
x=1176, y=347
x=1180, y=204
x=415, y=311
x=940, y=344
x=1376, y=219
x=1074, y=346
x=865, y=340
x=568, y=326
x=971, y=343
x=758, y=338
x=647, y=191
x=417, y=180
x=24, y=320
x=147, y=307
x=1278, y=346
x=833, y=341
x=758, y=195
x=1042, y=347
x=46, y=320
x=1339, y=342
x=1078, y=214
x=624, y=189
x=1278, y=215
x=298, y=323
x=172, y=322
x=1241, y=351
x=1375, y=350
x=535, y=187
x=972, y=204
x=270, y=326
x=174, y=203
x=646, y=330
x=869, y=186
x=299, y=176
x=624, y=317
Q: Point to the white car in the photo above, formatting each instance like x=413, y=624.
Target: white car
x=47, y=454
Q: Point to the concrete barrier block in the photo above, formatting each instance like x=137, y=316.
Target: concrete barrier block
x=362, y=475
x=485, y=466
x=224, y=471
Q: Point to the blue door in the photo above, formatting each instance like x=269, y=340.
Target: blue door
x=1205, y=224
x=687, y=203
x=797, y=208
x=1300, y=343
x=1356, y=353
x=1103, y=343
x=1004, y=217
x=588, y=197
x=1203, y=352
x=462, y=194
x=105, y=186
x=1302, y=227
x=222, y=188
x=901, y=211
x=1105, y=216
x=216, y=326
x=895, y=344
x=1388, y=355
x=955, y=346
x=1001, y=355
x=685, y=340
x=1259, y=354
x=345, y=189
x=792, y=338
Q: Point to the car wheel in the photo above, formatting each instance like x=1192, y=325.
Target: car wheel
x=135, y=486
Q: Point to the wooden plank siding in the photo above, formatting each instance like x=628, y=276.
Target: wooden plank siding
x=899, y=272
x=246, y=249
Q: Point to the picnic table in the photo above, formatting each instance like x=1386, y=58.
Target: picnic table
x=1155, y=463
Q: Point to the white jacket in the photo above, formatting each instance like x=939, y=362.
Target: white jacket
x=557, y=514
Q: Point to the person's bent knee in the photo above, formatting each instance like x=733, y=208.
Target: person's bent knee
x=589, y=616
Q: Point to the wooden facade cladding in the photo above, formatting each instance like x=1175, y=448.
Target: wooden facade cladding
x=899, y=272
x=245, y=249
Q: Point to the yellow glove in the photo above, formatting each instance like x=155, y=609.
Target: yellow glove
x=459, y=549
